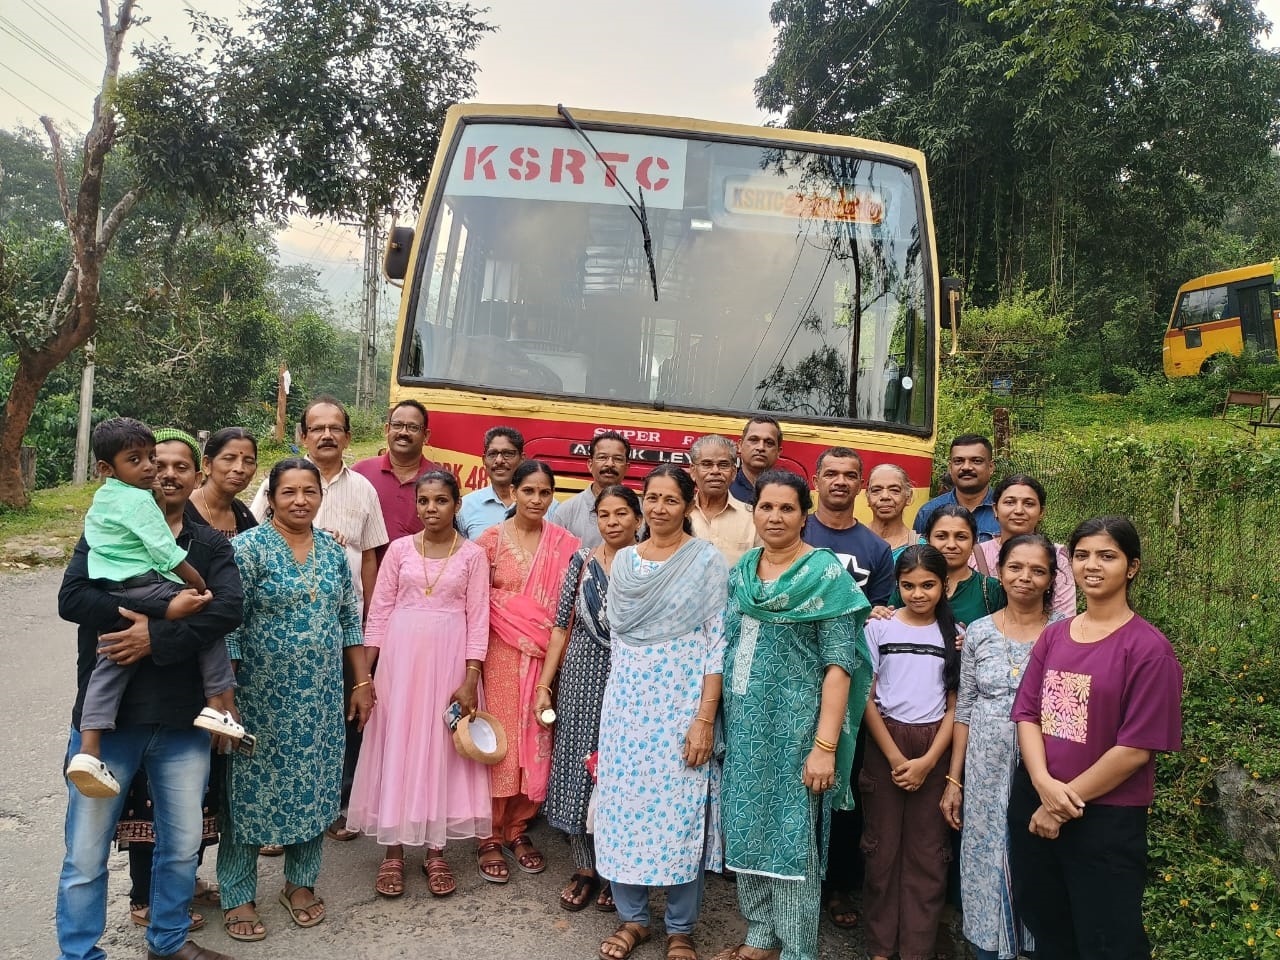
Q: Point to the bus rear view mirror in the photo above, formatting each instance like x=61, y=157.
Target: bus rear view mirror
x=949, y=309
x=395, y=263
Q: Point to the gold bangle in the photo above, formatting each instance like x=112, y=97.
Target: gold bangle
x=826, y=745
x=472, y=666
x=543, y=686
x=704, y=719
x=952, y=780
x=362, y=683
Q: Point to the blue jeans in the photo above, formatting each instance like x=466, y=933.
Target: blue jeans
x=684, y=901
x=177, y=765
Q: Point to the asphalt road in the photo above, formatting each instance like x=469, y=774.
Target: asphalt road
x=521, y=919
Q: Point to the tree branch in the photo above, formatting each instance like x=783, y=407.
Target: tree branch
x=117, y=215
x=59, y=169
x=64, y=291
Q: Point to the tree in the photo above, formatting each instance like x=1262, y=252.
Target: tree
x=1074, y=146
x=330, y=107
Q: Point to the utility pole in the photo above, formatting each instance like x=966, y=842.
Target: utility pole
x=367, y=369
x=80, y=472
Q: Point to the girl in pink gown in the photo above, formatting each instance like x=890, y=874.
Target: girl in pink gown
x=428, y=628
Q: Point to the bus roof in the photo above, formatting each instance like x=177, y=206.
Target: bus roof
x=1228, y=276
x=683, y=125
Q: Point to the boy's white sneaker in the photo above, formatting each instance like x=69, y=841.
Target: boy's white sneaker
x=215, y=721
x=91, y=777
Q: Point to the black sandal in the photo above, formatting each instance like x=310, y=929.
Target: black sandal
x=582, y=887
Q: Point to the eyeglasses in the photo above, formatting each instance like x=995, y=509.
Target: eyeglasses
x=405, y=427
x=327, y=428
x=724, y=466
x=609, y=458
x=501, y=454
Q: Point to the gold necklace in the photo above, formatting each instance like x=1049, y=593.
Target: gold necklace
x=312, y=584
x=431, y=584
x=514, y=536
x=789, y=561
x=654, y=549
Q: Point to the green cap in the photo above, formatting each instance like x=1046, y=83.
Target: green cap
x=170, y=433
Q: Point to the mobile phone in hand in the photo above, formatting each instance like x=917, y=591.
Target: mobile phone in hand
x=452, y=714
x=246, y=745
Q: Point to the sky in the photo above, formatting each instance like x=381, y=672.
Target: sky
x=697, y=58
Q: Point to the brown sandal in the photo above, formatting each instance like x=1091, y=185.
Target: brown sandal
x=140, y=914
x=680, y=947
x=626, y=938
x=440, y=879
x=532, y=860
x=498, y=863
x=840, y=910
x=390, y=881
x=238, y=915
x=304, y=914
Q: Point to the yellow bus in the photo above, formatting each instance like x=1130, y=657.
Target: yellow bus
x=575, y=271
x=1222, y=313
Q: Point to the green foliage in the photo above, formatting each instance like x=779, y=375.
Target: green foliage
x=322, y=105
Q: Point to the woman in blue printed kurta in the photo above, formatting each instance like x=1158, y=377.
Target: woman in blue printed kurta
x=301, y=618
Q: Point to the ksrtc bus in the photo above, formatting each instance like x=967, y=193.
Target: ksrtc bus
x=579, y=271
x=1220, y=314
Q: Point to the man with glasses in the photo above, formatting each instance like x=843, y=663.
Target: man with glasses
x=394, y=474
x=970, y=468
x=718, y=516
x=607, y=458
x=482, y=509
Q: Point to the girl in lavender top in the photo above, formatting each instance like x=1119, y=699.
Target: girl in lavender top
x=1102, y=694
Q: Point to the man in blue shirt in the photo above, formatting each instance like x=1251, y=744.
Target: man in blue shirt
x=970, y=468
x=869, y=560
x=757, y=452
x=482, y=509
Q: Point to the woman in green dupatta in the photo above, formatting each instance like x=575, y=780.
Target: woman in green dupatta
x=796, y=678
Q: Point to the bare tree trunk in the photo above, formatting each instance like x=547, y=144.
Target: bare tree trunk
x=74, y=315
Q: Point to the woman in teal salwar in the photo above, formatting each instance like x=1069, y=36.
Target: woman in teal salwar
x=301, y=619
x=796, y=678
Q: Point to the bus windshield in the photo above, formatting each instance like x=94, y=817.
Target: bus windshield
x=788, y=280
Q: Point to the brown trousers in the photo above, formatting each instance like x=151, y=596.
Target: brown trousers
x=907, y=849
x=512, y=816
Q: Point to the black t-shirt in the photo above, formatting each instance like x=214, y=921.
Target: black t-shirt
x=165, y=688
x=868, y=559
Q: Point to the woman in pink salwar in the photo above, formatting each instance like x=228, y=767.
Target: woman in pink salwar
x=528, y=558
x=428, y=627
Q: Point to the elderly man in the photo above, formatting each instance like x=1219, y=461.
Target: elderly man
x=717, y=515
x=394, y=474
x=607, y=457
x=970, y=467
x=349, y=508
x=154, y=731
x=757, y=452
x=869, y=560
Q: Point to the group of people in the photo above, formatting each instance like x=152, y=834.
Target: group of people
x=710, y=674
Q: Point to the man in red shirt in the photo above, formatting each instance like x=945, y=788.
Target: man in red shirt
x=393, y=474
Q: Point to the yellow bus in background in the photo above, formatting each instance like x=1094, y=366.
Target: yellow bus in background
x=1223, y=313
x=576, y=271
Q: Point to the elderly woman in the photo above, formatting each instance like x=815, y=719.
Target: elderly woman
x=527, y=558
x=797, y=676
x=230, y=462
x=580, y=641
x=657, y=806
x=888, y=492
x=1020, y=501
x=984, y=748
x=301, y=619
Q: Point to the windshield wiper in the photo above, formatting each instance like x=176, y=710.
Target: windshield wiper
x=636, y=207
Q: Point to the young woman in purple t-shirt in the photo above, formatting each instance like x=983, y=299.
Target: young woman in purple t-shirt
x=1102, y=694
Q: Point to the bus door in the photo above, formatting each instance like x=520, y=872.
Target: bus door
x=1257, y=329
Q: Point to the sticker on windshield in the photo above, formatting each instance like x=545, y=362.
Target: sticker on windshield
x=554, y=163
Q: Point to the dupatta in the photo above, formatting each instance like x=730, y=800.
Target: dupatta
x=817, y=587
x=688, y=589
x=524, y=620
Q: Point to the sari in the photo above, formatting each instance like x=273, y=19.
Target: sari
x=521, y=618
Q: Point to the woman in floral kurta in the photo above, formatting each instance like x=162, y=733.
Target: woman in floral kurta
x=986, y=744
x=300, y=619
